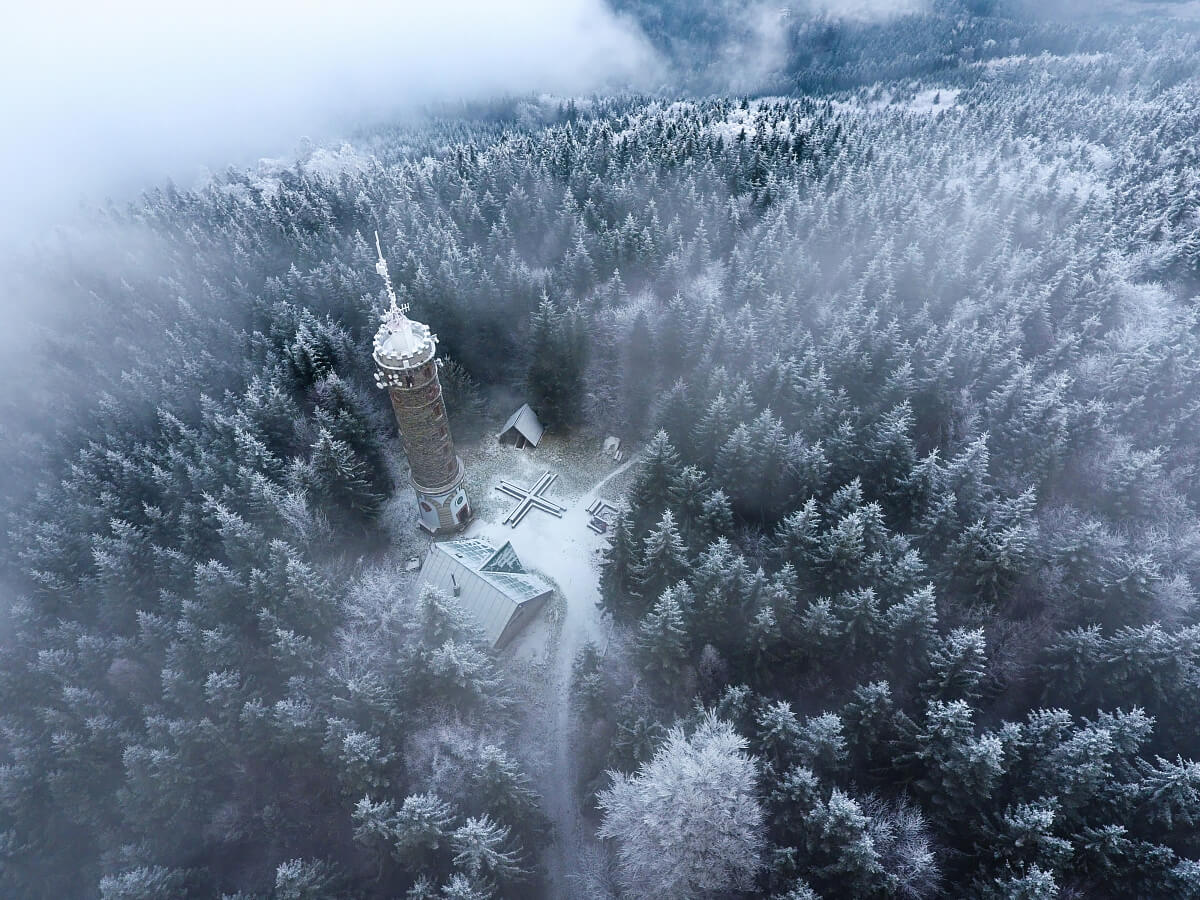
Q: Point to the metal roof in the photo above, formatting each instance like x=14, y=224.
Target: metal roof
x=471, y=550
x=488, y=583
x=526, y=422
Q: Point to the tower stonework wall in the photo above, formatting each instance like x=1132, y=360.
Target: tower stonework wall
x=406, y=366
x=421, y=416
x=408, y=369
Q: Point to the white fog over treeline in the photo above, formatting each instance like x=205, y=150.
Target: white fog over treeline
x=601, y=449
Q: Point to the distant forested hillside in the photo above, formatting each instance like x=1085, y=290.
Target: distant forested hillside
x=910, y=564
x=816, y=46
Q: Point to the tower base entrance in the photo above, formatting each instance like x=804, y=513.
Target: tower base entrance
x=444, y=510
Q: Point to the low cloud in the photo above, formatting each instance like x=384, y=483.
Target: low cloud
x=110, y=97
x=864, y=9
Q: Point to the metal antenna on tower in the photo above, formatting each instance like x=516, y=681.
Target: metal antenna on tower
x=395, y=318
x=382, y=269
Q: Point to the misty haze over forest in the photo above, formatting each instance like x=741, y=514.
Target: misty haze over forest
x=848, y=544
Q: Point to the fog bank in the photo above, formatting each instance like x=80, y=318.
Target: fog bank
x=109, y=98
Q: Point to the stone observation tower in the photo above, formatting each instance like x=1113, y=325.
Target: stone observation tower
x=407, y=367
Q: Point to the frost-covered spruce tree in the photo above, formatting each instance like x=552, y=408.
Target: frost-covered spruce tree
x=617, y=572
x=688, y=824
x=663, y=559
x=662, y=637
x=658, y=469
x=557, y=354
x=688, y=490
x=339, y=482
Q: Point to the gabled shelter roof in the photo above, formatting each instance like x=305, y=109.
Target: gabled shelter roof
x=490, y=584
x=526, y=422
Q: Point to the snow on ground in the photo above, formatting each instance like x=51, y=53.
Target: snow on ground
x=567, y=553
x=539, y=660
x=406, y=539
x=578, y=463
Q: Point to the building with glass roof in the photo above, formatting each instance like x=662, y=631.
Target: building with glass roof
x=490, y=584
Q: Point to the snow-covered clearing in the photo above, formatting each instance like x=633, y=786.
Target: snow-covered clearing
x=568, y=553
x=539, y=660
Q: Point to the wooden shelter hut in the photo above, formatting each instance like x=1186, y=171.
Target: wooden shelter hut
x=522, y=429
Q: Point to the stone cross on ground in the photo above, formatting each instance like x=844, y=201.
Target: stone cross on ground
x=530, y=498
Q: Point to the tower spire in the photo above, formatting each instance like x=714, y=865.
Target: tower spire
x=395, y=317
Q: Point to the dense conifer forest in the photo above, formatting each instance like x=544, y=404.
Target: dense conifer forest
x=903, y=599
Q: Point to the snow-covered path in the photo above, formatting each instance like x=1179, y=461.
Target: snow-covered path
x=567, y=551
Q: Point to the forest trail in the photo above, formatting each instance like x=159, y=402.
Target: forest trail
x=567, y=551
